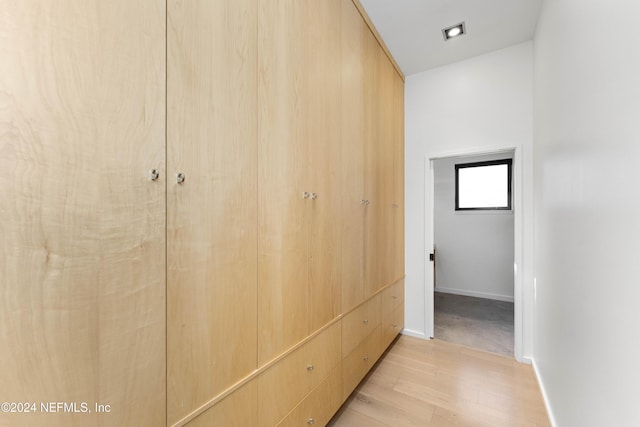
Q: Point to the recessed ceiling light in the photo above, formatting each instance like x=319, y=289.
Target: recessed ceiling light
x=454, y=31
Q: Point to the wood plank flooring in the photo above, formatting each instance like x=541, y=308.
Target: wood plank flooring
x=436, y=383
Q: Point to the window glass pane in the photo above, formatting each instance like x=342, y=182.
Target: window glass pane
x=483, y=187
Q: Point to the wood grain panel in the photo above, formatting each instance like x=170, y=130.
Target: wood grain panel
x=82, y=270
x=353, y=65
x=372, y=171
x=299, y=151
x=384, y=166
x=357, y=363
x=398, y=177
x=212, y=216
x=284, y=385
x=392, y=323
x=359, y=323
x=237, y=410
x=283, y=214
x=320, y=405
x=392, y=296
x=322, y=105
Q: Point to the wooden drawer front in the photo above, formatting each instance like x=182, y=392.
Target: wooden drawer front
x=359, y=323
x=392, y=323
x=356, y=365
x=392, y=297
x=237, y=410
x=286, y=383
x=320, y=405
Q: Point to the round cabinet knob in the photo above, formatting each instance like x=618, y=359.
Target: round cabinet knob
x=363, y=202
x=395, y=325
x=366, y=358
x=180, y=178
x=314, y=196
x=366, y=321
x=309, y=367
x=311, y=421
x=305, y=195
x=154, y=174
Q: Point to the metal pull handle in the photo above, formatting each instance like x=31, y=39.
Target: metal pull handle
x=309, y=368
x=180, y=178
x=394, y=296
x=311, y=421
x=314, y=196
x=154, y=174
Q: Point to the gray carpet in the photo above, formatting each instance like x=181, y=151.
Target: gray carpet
x=474, y=322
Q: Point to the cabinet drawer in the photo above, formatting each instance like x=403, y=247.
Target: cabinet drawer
x=359, y=323
x=356, y=365
x=392, y=297
x=320, y=405
x=239, y=409
x=392, y=323
x=286, y=383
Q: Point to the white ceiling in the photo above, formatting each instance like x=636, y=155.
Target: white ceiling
x=412, y=29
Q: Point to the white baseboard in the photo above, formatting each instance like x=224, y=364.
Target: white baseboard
x=414, y=334
x=545, y=397
x=486, y=295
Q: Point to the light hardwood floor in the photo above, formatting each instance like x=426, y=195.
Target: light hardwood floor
x=435, y=383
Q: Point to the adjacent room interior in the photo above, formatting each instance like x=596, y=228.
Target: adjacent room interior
x=474, y=246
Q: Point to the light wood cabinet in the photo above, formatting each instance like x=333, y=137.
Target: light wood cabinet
x=354, y=66
x=239, y=409
x=211, y=216
x=285, y=384
x=369, y=138
x=82, y=270
x=320, y=405
x=398, y=178
x=202, y=201
x=383, y=177
x=359, y=323
x=298, y=180
x=357, y=363
x=392, y=311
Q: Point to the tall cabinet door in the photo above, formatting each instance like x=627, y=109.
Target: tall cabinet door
x=398, y=177
x=323, y=118
x=298, y=198
x=372, y=165
x=283, y=186
x=384, y=176
x=212, y=219
x=354, y=123
x=82, y=235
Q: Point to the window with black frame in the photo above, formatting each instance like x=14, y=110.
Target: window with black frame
x=483, y=185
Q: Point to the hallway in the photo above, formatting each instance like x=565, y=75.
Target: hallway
x=435, y=383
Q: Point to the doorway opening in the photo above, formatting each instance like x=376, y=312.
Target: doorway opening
x=473, y=293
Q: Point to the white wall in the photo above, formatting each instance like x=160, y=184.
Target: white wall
x=474, y=248
x=481, y=104
x=587, y=147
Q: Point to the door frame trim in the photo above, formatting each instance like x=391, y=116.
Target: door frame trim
x=518, y=221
